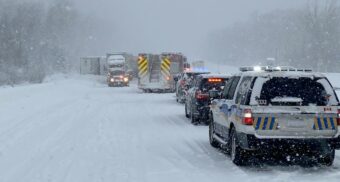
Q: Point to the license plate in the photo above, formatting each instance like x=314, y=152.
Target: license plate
x=297, y=124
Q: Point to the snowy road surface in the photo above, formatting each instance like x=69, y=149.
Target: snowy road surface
x=79, y=130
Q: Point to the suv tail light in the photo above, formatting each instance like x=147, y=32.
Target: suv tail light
x=247, y=117
x=338, y=119
x=201, y=96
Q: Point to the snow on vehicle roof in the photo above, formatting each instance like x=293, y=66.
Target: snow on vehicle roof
x=286, y=99
x=216, y=76
x=281, y=74
x=116, y=59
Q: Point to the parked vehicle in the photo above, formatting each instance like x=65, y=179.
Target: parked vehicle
x=156, y=72
x=117, y=70
x=184, y=82
x=197, y=102
x=117, y=78
x=266, y=110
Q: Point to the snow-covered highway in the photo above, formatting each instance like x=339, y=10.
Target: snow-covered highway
x=79, y=130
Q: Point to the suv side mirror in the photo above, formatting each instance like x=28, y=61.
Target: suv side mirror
x=214, y=94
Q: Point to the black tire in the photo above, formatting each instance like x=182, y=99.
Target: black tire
x=206, y=121
x=327, y=158
x=212, y=140
x=238, y=155
x=194, y=120
x=186, y=112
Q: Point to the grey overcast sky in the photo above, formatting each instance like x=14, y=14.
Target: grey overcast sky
x=172, y=25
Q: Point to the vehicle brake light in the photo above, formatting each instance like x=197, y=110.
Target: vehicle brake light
x=182, y=82
x=338, y=119
x=247, y=117
x=201, y=96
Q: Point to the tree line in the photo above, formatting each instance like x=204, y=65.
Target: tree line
x=39, y=38
x=302, y=37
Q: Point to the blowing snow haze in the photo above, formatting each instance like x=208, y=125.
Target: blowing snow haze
x=151, y=90
x=172, y=25
x=40, y=37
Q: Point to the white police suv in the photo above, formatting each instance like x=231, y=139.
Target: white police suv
x=266, y=110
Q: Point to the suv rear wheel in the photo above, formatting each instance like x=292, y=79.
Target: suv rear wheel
x=327, y=157
x=186, y=111
x=238, y=155
x=194, y=120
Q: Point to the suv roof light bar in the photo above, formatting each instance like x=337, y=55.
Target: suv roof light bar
x=273, y=68
x=254, y=68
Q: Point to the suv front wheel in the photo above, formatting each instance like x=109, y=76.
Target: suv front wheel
x=238, y=155
x=212, y=140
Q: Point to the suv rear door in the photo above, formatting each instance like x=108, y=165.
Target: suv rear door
x=225, y=106
x=294, y=108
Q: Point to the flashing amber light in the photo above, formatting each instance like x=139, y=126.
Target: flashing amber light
x=214, y=80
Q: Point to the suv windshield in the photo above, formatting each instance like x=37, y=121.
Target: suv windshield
x=117, y=72
x=217, y=83
x=116, y=66
x=297, y=91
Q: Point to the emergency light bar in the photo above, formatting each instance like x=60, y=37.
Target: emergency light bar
x=214, y=80
x=274, y=68
x=254, y=68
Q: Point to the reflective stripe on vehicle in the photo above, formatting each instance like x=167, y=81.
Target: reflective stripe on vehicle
x=265, y=123
x=324, y=123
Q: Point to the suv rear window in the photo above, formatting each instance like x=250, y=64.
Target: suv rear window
x=302, y=91
x=210, y=83
x=117, y=72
